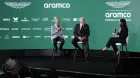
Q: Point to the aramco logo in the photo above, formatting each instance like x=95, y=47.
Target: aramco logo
x=57, y=5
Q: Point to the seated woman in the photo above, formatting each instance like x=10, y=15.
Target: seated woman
x=119, y=38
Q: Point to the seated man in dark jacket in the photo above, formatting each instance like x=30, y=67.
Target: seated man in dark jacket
x=81, y=33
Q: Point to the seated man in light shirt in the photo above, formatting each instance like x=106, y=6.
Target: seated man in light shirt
x=57, y=35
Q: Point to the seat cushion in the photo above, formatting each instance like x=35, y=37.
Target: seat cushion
x=118, y=44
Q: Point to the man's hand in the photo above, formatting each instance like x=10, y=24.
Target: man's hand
x=83, y=38
x=59, y=29
x=116, y=36
x=80, y=38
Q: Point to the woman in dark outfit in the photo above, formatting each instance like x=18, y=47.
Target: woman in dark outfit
x=119, y=38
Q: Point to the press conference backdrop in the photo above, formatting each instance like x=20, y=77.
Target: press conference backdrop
x=25, y=24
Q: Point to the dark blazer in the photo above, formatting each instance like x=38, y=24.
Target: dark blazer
x=123, y=34
x=84, y=32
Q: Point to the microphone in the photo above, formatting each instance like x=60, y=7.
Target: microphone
x=115, y=31
x=59, y=28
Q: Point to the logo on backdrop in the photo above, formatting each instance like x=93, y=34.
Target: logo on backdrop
x=25, y=20
x=45, y=19
x=37, y=36
x=15, y=29
x=4, y=29
x=69, y=28
x=76, y=19
x=66, y=19
x=47, y=36
x=54, y=18
x=6, y=37
x=25, y=29
x=15, y=19
x=35, y=19
x=6, y=19
x=25, y=37
x=15, y=36
x=120, y=4
x=57, y=5
x=37, y=28
x=18, y=5
x=118, y=11
x=47, y=29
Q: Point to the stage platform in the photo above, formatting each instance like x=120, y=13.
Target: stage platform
x=98, y=66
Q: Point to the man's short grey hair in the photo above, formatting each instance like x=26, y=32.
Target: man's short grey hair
x=82, y=18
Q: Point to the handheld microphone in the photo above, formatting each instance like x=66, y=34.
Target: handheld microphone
x=59, y=27
x=115, y=31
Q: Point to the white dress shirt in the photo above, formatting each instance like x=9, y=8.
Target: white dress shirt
x=81, y=26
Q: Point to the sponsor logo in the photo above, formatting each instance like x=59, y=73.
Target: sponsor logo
x=18, y=5
x=6, y=19
x=15, y=29
x=5, y=29
x=35, y=19
x=66, y=19
x=15, y=36
x=120, y=4
x=76, y=19
x=65, y=36
x=54, y=18
x=45, y=19
x=25, y=20
x=57, y=5
x=47, y=29
x=69, y=28
x=37, y=28
x=37, y=36
x=25, y=29
x=26, y=36
x=6, y=37
x=118, y=15
x=47, y=36
x=118, y=12
x=15, y=19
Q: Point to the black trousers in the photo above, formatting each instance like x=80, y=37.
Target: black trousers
x=85, y=44
x=55, y=40
x=112, y=41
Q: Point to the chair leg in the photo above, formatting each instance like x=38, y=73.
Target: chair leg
x=53, y=55
x=127, y=51
x=126, y=47
x=114, y=55
x=63, y=55
x=119, y=58
x=92, y=53
x=121, y=48
x=83, y=49
x=74, y=55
